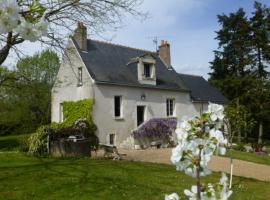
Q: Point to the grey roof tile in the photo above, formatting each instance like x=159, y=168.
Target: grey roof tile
x=201, y=90
x=114, y=64
x=110, y=63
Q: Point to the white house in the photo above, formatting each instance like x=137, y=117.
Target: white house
x=129, y=85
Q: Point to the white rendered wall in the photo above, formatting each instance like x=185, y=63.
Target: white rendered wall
x=155, y=103
x=66, y=85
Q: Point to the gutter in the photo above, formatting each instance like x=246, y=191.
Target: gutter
x=140, y=86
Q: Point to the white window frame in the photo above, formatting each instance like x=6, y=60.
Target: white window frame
x=121, y=107
x=168, y=107
x=150, y=65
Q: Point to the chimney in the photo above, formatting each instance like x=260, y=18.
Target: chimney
x=164, y=53
x=80, y=36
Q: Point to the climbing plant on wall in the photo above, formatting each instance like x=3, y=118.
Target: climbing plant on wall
x=74, y=113
x=73, y=110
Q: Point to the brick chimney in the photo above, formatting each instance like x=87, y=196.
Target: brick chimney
x=80, y=36
x=164, y=52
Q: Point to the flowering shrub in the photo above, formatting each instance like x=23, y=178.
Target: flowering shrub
x=30, y=26
x=156, y=127
x=198, y=140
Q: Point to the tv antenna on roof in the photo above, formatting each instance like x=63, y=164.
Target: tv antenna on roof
x=155, y=40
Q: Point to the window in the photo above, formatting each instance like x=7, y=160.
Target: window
x=140, y=115
x=117, y=106
x=112, y=139
x=147, y=70
x=170, y=107
x=80, y=83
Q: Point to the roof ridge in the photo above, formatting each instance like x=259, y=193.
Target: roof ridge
x=189, y=74
x=122, y=46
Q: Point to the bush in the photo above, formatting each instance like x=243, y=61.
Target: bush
x=77, y=121
x=37, y=141
x=239, y=147
x=24, y=145
x=258, y=147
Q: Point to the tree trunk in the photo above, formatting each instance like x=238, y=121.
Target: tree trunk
x=228, y=129
x=198, y=179
x=245, y=129
x=238, y=129
x=260, y=133
x=198, y=182
x=4, y=53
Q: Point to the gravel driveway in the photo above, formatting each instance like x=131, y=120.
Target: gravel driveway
x=241, y=168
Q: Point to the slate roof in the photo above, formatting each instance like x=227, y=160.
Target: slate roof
x=110, y=63
x=201, y=90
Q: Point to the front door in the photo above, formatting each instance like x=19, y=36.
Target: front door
x=140, y=115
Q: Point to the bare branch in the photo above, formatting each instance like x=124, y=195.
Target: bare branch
x=98, y=15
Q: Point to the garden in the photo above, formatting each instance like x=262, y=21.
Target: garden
x=88, y=178
x=27, y=177
x=29, y=168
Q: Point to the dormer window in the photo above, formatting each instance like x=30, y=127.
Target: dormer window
x=147, y=70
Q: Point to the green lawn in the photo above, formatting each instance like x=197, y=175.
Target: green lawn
x=24, y=177
x=251, y=157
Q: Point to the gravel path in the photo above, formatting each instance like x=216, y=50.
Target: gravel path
x=241, y=168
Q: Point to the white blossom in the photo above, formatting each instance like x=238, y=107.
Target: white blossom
x=27, y=31
x=177, y=154
x=225, y=192
x=197, y=142
x=42, y=26
x=9, y=15
x=32, y=32
x=182, y=129
x=191, y=194
x=215, y=111
x=221, y=141
x=172, y=196
x=208, y=193
x=11, y=20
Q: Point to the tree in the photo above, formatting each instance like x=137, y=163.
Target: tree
x=50, y=21
x=239, y=68
x=260, y=40
x=258, y=101
x=232, y=60
x=26, y=96
x=238, y=117
x=258, y=95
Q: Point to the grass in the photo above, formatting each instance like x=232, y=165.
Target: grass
x=12, y=142
x=251, y=157
x=24, y=177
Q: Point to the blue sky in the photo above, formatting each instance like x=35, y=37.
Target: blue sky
x=188, y=25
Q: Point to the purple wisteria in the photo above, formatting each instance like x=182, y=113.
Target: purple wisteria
x=156, y=127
